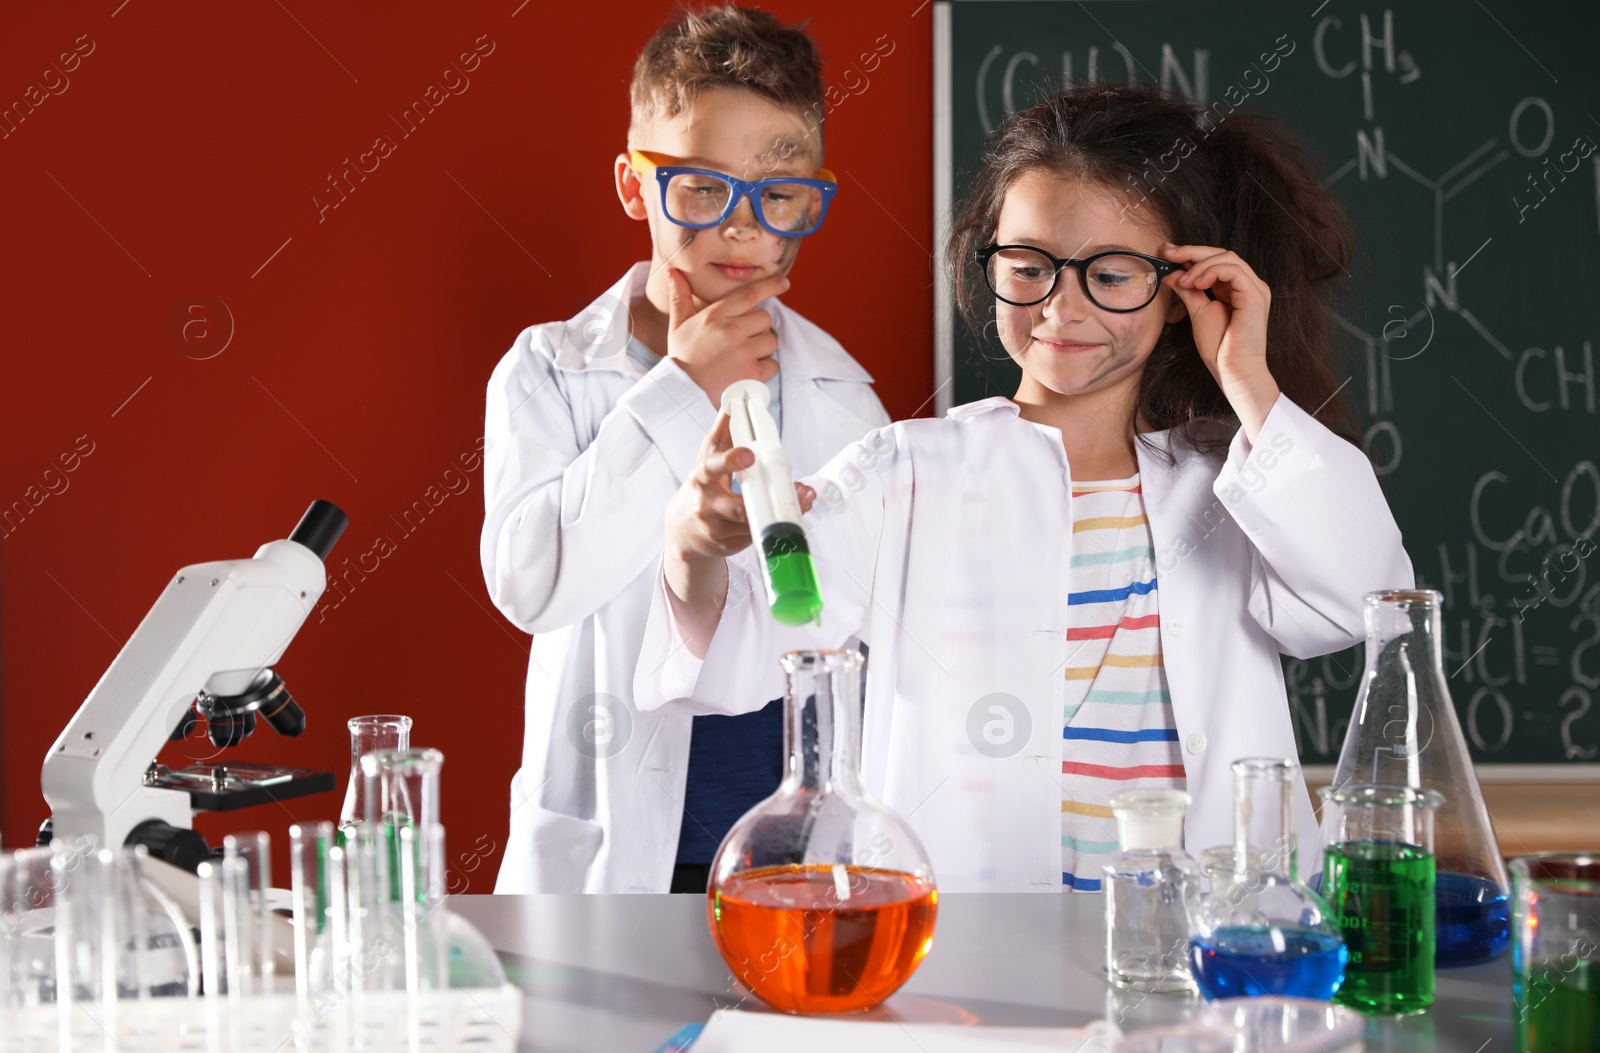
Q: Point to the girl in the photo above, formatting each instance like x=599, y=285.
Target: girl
x=1085, y=587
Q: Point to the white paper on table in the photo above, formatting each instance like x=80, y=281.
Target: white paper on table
x=734, y=1031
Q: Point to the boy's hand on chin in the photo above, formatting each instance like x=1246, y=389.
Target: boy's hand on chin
x=723, y=342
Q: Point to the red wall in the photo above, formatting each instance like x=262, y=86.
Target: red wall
x=186, y=146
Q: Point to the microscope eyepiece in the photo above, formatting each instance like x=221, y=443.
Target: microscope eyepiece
x=320, y=527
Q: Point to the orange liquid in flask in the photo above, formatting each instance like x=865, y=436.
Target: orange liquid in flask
x=823, y=939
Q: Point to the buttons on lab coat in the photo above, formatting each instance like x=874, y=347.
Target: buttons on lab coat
x=1196, y=743
x=1174, y=627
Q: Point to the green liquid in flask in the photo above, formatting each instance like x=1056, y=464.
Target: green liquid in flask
x=796, y=599
x=1382, y=895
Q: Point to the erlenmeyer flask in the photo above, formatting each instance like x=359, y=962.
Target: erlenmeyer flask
x=368, y=734
x=1263, y=932
x=821, y=899
x=1404, y=732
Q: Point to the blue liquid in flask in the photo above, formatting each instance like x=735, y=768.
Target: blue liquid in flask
x=1236, y=962
x=1472, y=921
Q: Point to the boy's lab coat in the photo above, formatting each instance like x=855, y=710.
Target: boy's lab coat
x=584, y=448
x=945, y=545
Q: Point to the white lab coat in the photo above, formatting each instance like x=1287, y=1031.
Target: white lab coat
x=584, y=447
x=945, y=545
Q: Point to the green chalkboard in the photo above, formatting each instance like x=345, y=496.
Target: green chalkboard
x=1461, y=138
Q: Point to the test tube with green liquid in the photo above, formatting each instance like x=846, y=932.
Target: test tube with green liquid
x=771, y=508
x=309, y=846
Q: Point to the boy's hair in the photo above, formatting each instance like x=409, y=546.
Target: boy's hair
x=1244, y=183
x=726, y=47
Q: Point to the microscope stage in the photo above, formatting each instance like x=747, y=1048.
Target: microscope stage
x=225, y=787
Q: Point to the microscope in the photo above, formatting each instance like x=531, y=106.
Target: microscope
x=204, y=651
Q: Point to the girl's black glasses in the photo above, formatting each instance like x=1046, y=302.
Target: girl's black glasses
x=1023, y=275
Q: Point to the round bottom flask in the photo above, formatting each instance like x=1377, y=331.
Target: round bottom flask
x=821, y=899
x=1263, y=932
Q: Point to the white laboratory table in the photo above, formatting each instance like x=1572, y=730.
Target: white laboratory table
x=624, y=972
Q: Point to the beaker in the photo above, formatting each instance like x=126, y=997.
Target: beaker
x=1555, y=979
x=1150, y=886
x=821, y=898
x=1378, y=879
x=402, y=786
x=1263, y=931
x=1404, y=732
x=368, y=734
x=402, y=789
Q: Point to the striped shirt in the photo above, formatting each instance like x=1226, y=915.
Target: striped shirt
x=1117, y=731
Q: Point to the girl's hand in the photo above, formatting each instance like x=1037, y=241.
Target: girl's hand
x=1230, y=330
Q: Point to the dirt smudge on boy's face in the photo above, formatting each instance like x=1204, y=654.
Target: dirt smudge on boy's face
x=683, y=249
x=788, y=249
x=685, y=238
x=665, y=233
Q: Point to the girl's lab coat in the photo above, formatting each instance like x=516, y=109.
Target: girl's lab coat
x=584, y=448
x=945, y=545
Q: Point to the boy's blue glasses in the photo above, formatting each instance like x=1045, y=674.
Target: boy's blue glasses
x=697, y=198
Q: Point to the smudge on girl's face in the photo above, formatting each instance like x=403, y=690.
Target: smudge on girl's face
x=1067, y=345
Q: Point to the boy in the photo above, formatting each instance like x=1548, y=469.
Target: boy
x=592, y=425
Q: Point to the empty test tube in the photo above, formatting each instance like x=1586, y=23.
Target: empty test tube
x=421, y=910
x=226, y=928
x=366, y=879
x=254, y=850
x=337, y=970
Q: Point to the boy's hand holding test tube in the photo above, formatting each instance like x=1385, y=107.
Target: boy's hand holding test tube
x=771, y=506
x=708, y=522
